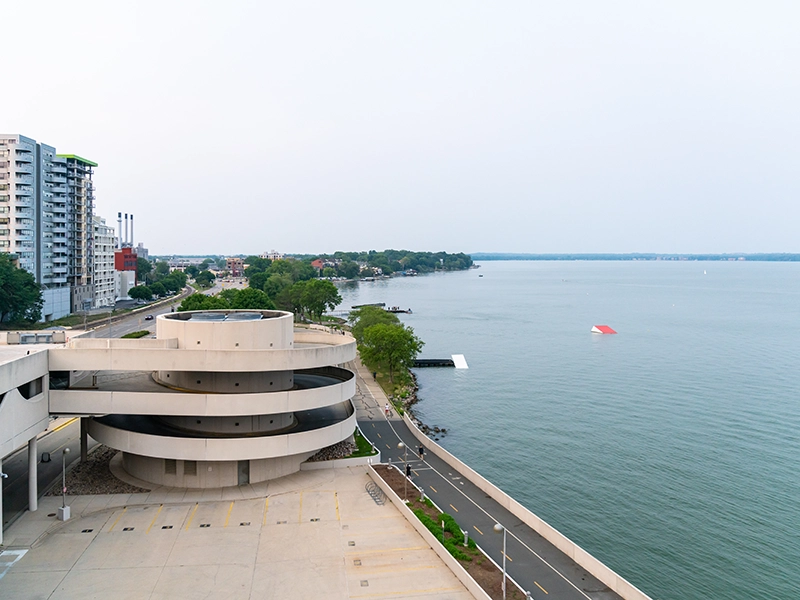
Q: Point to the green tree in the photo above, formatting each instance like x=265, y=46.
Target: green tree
x=162, y=269
x=329, y=272
x=276, y=283
x=318, y=296
x=291, y=298
x=257, y=280
x=367, y=316
x=158, y=289
x=140, y=292
x=143, y=268
x=393, y=347
x=348, y=269
x=250, y=298
x=205, y=278
x=192, y=271
x=202, y=302
x=20, y=295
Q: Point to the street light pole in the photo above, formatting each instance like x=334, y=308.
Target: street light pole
x=63, y=512
x=405, y=466
x=498, y=528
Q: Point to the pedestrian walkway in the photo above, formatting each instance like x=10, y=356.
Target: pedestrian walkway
x=534, y=563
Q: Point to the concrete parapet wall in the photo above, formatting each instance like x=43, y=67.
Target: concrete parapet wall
x=594, y=566
x=99, y=402
x=113, y=357
x=222, y=449
x=447, y=558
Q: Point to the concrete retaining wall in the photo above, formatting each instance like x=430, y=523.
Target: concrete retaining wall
x=341, y=463
x=430, y=539
x=614, y=581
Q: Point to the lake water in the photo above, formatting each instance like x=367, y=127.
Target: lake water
x=669, y=451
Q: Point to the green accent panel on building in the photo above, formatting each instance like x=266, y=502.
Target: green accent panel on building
x=78, y=158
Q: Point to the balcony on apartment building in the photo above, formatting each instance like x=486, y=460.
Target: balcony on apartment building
x=22, y=167
x=22, y=190
x=24, y=179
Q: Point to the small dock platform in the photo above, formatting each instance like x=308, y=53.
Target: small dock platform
x=457, y=360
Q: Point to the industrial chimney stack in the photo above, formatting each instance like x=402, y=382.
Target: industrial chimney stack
x=119, y=228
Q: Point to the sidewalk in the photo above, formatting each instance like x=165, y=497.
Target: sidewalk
x=370, y=399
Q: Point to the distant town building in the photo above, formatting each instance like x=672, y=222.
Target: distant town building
x=272, y=255
x=142, y=252
x=235, y=266
x=104, y=275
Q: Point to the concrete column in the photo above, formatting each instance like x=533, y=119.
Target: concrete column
x=84, y=438
x=1, y=502
x=33, y=480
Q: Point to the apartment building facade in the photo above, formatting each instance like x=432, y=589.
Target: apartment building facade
x=46, y=209
x=103, y=275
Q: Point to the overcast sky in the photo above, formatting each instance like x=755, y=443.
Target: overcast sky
x=239, y=127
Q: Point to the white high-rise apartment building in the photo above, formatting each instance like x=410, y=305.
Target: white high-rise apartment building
x=105, y=243
x=46, y=204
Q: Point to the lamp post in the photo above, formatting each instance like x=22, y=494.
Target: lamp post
x=402, y=446
x=498, y=528
x=63, y=511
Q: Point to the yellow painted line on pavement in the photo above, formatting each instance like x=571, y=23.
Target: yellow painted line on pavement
x=541, y=588
x=336, y=499
x=454, y=508
x=70, y=422
x=228, y=518
x=189, y=522
x=478, y=530
x=266, y=508
x=409, y=592
x=154, y=518
x=434, y=489
x=118, y=518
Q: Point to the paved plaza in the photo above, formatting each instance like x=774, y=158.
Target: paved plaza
x=316, y=534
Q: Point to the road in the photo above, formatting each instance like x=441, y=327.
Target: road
x=533, y=562
x=15, y=488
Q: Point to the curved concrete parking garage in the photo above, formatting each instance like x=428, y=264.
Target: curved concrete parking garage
x=220, y=398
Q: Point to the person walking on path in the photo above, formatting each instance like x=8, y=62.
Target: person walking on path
x=422, y=452
x=387, y=409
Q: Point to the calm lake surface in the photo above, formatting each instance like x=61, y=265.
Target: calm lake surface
x=669, y=451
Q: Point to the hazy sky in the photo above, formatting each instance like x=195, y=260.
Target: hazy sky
x=238, y=127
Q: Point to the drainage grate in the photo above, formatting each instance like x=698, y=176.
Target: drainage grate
x=127, y=529
x=87, y=530
x=244, y=524
x=166, y=527
x=205, y=524
x=281, y=522
x=351, y=543
x=357, y=562
x=364, y=583
x=314, y=520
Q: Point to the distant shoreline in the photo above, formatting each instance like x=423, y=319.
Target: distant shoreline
x=762, y=257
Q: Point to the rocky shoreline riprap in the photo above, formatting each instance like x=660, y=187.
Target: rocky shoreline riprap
x=408, y=402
